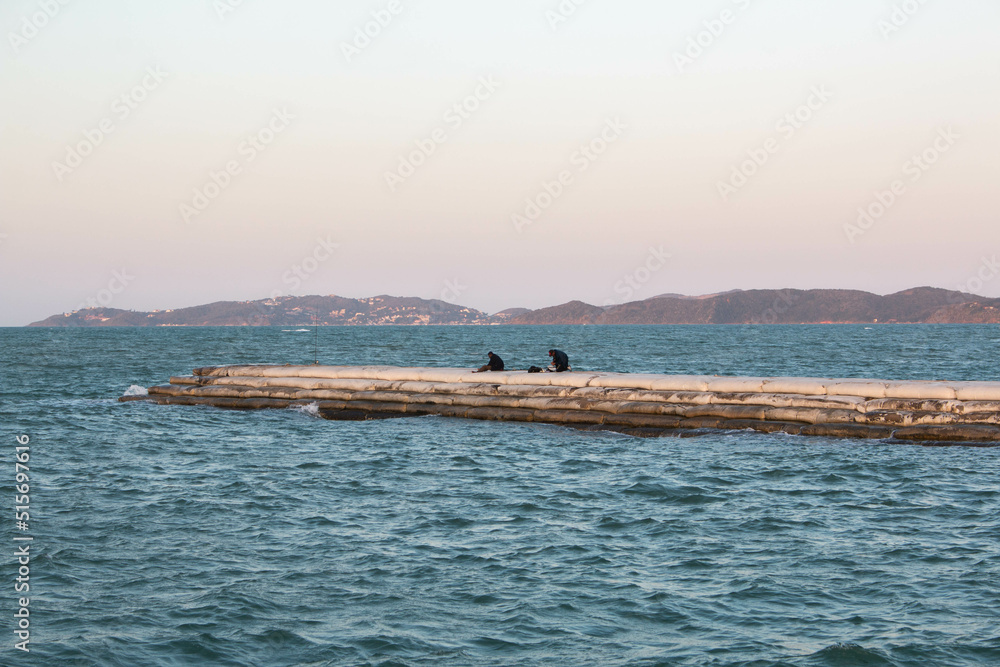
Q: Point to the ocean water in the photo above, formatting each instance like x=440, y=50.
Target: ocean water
x=170, y=535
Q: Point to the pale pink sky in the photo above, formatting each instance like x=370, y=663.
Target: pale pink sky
x=187, y=90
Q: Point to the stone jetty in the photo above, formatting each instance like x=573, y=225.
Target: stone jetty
x=932, y=412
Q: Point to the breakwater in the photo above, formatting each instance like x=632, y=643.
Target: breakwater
x=637, y=404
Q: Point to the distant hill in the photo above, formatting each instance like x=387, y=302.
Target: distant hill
x=510, y=313
x=921, y=304
x=574, y=312
x=703, y=296
x=281, y=311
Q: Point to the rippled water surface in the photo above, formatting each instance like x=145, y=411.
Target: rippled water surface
x=169, y=535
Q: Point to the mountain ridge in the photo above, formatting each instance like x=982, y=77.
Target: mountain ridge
x=788, y=306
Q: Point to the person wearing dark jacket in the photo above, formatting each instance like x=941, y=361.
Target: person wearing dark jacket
x=560, y=362
x=495, y=364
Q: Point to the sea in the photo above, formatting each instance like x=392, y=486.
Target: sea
x=175, y=535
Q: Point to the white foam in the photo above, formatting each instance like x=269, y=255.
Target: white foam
x=136, y=390
x=311, y=409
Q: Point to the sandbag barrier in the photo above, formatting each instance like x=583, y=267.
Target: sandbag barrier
x=638, y=404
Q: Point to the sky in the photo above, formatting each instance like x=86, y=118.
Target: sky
x=496, y=155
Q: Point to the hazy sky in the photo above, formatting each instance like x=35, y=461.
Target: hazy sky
x=524, y=153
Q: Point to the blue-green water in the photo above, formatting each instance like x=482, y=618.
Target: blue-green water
x=168, y=535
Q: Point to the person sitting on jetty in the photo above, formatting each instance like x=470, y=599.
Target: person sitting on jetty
x=495, y=364
x=560, y=362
